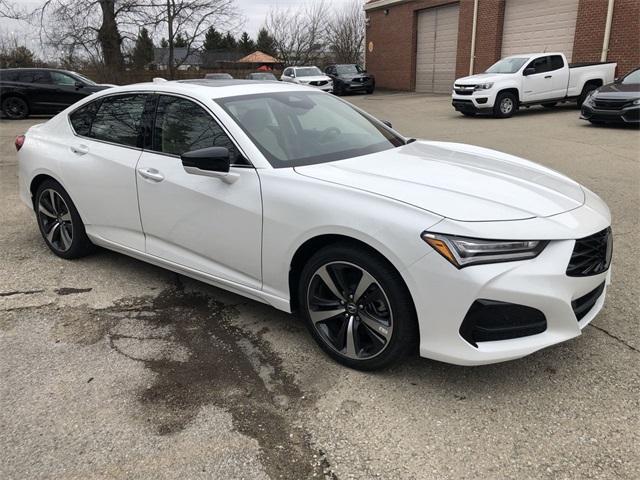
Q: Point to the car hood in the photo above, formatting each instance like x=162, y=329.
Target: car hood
x=314, y=78
x=479, y=78
x=457, y=181
x=619, y=90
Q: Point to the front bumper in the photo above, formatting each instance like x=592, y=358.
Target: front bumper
x=630, y=115
x=327, y=87
x=480, y=101
x=446, y=295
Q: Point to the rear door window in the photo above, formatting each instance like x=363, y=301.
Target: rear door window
x=34, y=76
x=556, y=62
x=82, y=119
x=118, y=119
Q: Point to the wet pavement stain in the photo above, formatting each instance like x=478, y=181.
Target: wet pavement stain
x=200, y=358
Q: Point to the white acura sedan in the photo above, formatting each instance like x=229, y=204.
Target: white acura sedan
x=293, y=197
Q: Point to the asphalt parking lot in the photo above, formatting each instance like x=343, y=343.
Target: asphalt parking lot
x=112, y=368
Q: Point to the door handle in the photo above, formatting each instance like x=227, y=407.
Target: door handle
x=548, y=76
x=79, y=149
x=151, y=174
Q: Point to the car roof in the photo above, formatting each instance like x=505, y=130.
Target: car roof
x=209, y=89
x=521, y=55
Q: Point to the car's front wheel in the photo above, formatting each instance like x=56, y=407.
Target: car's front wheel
x=357, y=308
x=60, y=222
x=506, y=105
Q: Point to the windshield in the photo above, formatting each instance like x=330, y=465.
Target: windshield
x=304, y=128
x=633, y=77
x=348, y=69
x=84, y=79
x=507, y=65
x=308, y=72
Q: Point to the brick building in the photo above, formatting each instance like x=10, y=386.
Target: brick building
x=424, y=45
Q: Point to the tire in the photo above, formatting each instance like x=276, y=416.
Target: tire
x=549, y=104
x=506, y=105
x=380, y=319
x=15, y=108
x=585, y=92
x=59, y=221
x=369, y=91
x=338, y=90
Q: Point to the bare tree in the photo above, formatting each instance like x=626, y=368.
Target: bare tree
x=346, y=33
x=92, y=28
x=189, y=20
x=299, y=35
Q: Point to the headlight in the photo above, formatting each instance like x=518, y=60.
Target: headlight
x=463, y=251
x=484, y=86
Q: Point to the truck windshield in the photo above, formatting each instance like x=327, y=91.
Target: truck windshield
x=507, y=65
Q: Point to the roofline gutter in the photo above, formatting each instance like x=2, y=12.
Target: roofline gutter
x=383, y=3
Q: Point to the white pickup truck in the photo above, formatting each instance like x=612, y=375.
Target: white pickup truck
x=524, y=80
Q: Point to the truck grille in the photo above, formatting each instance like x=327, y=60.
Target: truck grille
x=464, y=89
x=591, y=255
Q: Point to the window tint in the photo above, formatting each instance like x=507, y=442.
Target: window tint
x=182, y=126
x=118, y=119
x=8, y=75
x=540, y=65
x=62, y=79
x=556, y=62
x=34, y=76
x=82, y=118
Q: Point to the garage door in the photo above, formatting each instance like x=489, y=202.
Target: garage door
x=532, y=26
x=436, y=49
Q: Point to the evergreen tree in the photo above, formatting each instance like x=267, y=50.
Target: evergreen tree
x=229, y=42
x=265, y=42
x=179, y=41
x=246, y=44
x=164, y=43
x=212, y=40
x=143, y=50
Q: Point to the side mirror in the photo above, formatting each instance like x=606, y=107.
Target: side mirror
x=387, y=123
x=209, y=162
x=529, y=71
x=79, y=85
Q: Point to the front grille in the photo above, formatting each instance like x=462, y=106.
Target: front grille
x=583, y=305
x=490, y=320
x=609, y=104
x=464, y=89
x=318, y=83
x=591, y=255
x=361, y=79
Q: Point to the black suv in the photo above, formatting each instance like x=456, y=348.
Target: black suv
x=27, y=91
x=350, y=78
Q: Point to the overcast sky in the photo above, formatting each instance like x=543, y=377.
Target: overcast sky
x=254, y=12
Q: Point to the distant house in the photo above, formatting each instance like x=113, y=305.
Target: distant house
x=261, y=61
x=184, y=59
x=218, y=58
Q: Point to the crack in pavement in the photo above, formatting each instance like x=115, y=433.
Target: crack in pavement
x=20, y=292
x=615, y=337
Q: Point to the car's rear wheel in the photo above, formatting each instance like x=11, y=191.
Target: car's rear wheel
x=60, y=222
x=506, y=105
x=357, y=308
x=15, y=108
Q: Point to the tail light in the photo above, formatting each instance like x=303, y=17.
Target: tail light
x=19, y=142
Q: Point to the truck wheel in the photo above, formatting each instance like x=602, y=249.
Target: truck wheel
x=549, y=104
x=15, y=108
x=586, y=90
x=506, y=105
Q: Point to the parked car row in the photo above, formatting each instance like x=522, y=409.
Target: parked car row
x=548, y=79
